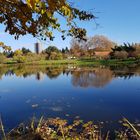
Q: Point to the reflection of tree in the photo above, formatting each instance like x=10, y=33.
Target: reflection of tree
x=126, y=72
x=96, y=77
x=81, y=76
x=99, y=77
x=26, y=71
x=9, y=73
x=5, y=71
x=53, y=72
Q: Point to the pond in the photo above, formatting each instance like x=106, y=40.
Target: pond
x=102, y=94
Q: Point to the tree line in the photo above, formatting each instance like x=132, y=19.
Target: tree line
x=100, y=47
x=96, y=47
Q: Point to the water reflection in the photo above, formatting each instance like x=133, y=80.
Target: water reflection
x=96, y=77
x=40, y=76
x=57, y=95
x=54, y=72
x=80, y=76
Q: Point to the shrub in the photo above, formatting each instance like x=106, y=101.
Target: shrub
x=120, y=55
x=20, y=59
x=30, y=57
x=55, y=56
x=18, y=52
x=134, y=54
x=2, y=58
x=59, y=56
x=52, y=55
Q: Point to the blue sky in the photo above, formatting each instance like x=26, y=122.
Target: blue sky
x=119, y=20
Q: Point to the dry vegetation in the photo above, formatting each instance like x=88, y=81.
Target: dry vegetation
x=58, y=129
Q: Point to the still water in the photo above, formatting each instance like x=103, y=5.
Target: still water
x=91, y=93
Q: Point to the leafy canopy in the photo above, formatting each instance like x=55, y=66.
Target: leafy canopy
x=40, y=17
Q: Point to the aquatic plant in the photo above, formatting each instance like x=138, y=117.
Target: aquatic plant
x=60, y=129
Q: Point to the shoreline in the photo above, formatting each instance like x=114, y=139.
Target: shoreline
x=80, y=62
x=57, y=128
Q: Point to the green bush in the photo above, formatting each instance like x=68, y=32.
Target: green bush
x=30, y=57
x=20, y=59
x=59, y=56
x=55, y=56
x=2, y=58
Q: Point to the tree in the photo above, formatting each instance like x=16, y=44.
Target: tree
x=1, y=45
x=7, y=50
x=51, y=49
x=125, y=50
x=76, y=49
x=125, y=47
x=25, y=51
x=53, y=53
x=81, y=48
x=18, y=56
x=39, y=17
x=100, y=43
x=18, y=52
x=65, y=50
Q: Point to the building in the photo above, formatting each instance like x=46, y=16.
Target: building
x=38, y=48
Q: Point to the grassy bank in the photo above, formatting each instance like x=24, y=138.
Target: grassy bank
x=58, y=129
x=111, y=62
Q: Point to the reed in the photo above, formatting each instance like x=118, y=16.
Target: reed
x=59, y=129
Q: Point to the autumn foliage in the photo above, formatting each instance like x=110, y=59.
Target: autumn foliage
x=39, y=17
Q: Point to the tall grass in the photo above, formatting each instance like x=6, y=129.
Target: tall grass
x=59, y=129
x=2, y=130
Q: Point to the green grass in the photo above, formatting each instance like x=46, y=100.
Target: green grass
x=111, y=62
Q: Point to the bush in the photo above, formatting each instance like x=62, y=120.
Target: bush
x=55, y=56
x=59, y=56
x=120, y=55
x=134, y=54
x=30, y=57
x=2, y=58
x=20, y=59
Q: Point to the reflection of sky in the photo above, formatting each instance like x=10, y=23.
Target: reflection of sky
x=56, y=109
x=58, y=97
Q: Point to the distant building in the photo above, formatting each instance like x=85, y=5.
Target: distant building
x=38, y=48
